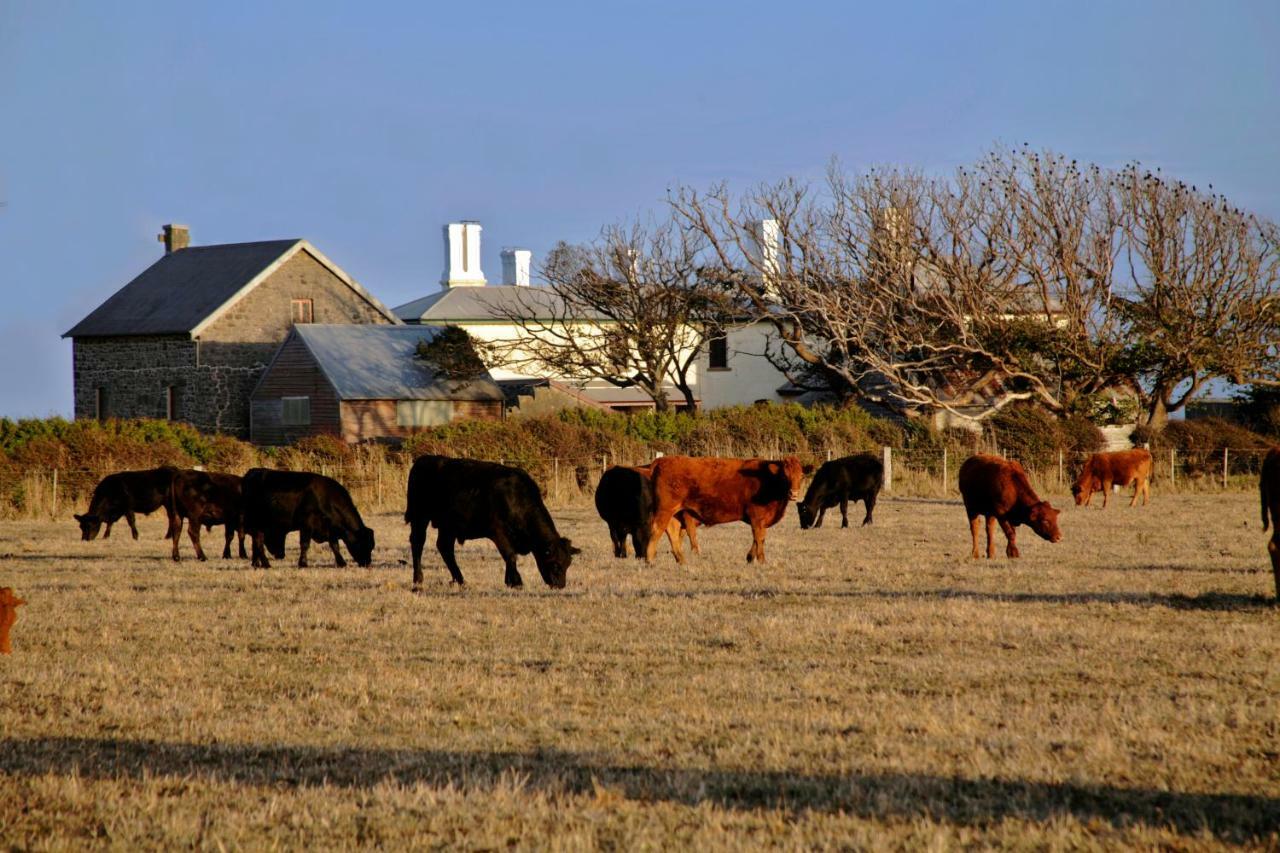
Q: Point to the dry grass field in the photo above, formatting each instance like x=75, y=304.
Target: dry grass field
x=867, y=688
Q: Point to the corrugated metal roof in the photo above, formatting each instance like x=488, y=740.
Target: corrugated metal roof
x=380, y=363
x=489, y=303
x=177, y=292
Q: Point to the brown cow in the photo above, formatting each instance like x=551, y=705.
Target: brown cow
x=999, y=489
x=9, y=604
x=716, y=491
x=1269, y=486
x=208, y=499
x=1123, y=468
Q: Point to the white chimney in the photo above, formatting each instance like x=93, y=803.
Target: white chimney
x=462, y=255
x=766, y=251
x=515, y=266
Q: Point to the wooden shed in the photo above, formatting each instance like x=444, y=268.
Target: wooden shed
x=361, y=383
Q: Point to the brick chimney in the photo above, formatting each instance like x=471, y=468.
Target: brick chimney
x=174, y=237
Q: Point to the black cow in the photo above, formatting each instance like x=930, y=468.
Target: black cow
x=624, y=499
x=850, y=478
x=466, y=499
x=127, y=494
x=207, y=499
x=320, y=508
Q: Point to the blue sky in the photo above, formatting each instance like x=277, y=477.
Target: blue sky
x=365, y=127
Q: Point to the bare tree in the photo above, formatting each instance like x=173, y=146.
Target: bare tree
x=629, y=309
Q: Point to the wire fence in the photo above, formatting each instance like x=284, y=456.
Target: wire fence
x=379, y=483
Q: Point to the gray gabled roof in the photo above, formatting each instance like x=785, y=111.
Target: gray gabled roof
x=489, y=303
x=365, y=362
x=184, y=290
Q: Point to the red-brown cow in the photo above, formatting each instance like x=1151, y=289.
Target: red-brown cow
x=1122, y=468
x=716, y=491
x=1269, y=486
x=998, y=488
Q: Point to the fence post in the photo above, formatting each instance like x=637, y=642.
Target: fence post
x=1173, y=454
x=944, y=471
x=55, y=492
x=1059, y=469
x=887, y=453
x=828, y=454
x=555, y=489
x=1224, y=468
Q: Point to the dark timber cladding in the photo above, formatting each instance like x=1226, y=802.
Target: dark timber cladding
x=189, y=338
x=360, y=383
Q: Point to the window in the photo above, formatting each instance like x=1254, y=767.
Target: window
x=718, y=353
x=302, y=310
x=171, y=402
x=100, y=403
x=295, y=411
x=423, y=413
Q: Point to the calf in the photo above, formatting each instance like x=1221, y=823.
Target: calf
x=625, y=501
x=716, y=491
x=1122, y=468
x=851, y=478
x=127, y=493
x=206, y=499
x=278, y=502
x=1269, y=486
x=466, y=499
x=998, y=488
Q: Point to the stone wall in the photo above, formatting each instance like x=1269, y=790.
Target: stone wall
x=134, y=374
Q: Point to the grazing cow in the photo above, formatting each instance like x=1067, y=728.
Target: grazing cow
x=715, y=491
x=206, y=499
x=999, y=489
x=851, y=478
x=319, y=508
x=625, y=500
x=466, y=499
x=1269, y=486
x=9, y=604
x=126, y=494
x=1122, y=468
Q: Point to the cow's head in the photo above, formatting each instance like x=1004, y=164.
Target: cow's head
x=90, y=524
x=554, y=559
x=361, y=547
x=1083, y=487
x=794, y=472
x=1043, y=519
x=807, y=515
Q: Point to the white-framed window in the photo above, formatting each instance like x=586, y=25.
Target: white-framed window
x=302, y=311
x=423, y=413
x=295, y=411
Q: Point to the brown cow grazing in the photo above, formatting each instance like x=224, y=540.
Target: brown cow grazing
x=9, y=604
x=715, y=491
x=998, y=488
x=1269, y=486
x=207, y=499
x=1122, y=468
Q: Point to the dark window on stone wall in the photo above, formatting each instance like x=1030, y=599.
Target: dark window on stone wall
x=718, y=353
x=100, y=403
x=171, y=402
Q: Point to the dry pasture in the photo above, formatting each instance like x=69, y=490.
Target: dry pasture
x=870, y=687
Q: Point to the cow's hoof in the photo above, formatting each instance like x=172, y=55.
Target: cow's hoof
x=203, y=558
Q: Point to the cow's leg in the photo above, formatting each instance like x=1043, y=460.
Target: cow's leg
x=991, y=537
x=259, y=551
x=229, y=533
x=512, y=577
x=844, y=512
x=822, y=513
x=337, y=554
x=1274, y=548
x=691, y=528
x=1137, y=487
x=133, y=526
x=193, y=530
x=1106, y=492
x=106, y=534
x=240, y=537
x=757, y=542
x=1145, y=483
x=660, y=523
x=417, y=538
x=175, y=535
x=1011, y=534
x=304, y=542
x=444, y=544
x=618, y=537
x=870, y=502
x=170, y=515
x=975, y=524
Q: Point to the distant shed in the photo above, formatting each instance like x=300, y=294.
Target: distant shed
x=361, y=383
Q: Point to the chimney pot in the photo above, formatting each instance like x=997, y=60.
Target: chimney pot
x=174, y=237
x=515, y=266
x=462, y=255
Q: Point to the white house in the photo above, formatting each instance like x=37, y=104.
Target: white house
x=730, y=371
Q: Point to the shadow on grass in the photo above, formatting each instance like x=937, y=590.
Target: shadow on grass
x=1216, y=601
x=1237, y=818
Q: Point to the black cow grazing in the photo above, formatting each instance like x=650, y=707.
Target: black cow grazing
x=207, y=499
x=278, y=502
x=126, y=494
x=850, y=478
x=466, y=499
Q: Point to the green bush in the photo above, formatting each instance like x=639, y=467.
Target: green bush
x=1035, y=436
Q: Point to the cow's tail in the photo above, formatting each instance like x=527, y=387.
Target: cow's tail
x=413, y=496
x=1266, y=503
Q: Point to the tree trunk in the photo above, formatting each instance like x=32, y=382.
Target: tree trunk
x=1158, y=411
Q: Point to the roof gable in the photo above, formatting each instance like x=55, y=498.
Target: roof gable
x=493, y=303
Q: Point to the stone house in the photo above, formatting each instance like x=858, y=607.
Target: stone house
x=189, y=338
x=361, y=383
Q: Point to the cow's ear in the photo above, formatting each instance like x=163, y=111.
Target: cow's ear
x=773, y=468
x=78, y=517
x=807, y=469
